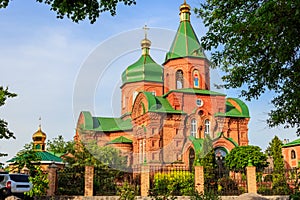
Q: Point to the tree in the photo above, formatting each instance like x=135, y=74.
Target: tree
x=78, y=10
x=278, y=176
x=59, y=145
x=4, y=132
x=256, y=43
x=238, y=158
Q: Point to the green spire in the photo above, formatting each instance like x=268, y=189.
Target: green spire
x=186, y=43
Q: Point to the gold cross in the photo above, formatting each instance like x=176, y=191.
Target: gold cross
x=145, y=30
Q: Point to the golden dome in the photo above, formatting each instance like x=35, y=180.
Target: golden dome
x=184, y=8
x=39, y=134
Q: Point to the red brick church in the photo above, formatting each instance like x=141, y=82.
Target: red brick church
x=168, y=109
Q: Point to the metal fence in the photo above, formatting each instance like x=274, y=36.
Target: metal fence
x=70, y=181
x=225, y=182
x=283, y=182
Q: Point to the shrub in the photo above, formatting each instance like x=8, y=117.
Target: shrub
x=175, y=183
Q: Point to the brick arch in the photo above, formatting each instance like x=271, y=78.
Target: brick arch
x=223, y=142
x=140, y=100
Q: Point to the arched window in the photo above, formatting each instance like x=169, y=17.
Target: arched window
x=196, y=79
x=207, y=127
x=193, y=127
x=134, y=95
x=293, y=154
x=179, y=79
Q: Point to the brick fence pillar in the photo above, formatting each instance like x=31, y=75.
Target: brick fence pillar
x=52, y=177
x=199, y=179
x=251, y=178
x=145, y=181
x=89, y=181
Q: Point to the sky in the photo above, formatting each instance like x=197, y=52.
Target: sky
x=59, y=68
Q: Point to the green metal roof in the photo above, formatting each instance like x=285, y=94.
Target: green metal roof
x=293, y=143
x=232, y=111
x=145, y=69
x=160, y=104
x=220, y=134
x=195, y=91
x=105, y=124
x=43, y=156
x=185, y=43
x=120, y=140
x=197, y=143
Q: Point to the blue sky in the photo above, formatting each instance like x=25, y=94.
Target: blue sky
x=43, y=58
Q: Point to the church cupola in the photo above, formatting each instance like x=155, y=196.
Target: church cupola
x=186, y=65
x=143, y=75
x=39, y=140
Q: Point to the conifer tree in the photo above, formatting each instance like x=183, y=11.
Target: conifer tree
x=278, y=176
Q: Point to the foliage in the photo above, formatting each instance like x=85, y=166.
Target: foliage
x=226, y=184
x=208, y=161
x=175, y=183
x=256, y=43
x=71, y=180
x=238, y=158
x=91, y=154
x=58, y=145
x=4, y=132
x=295, y=196
x=208, y=195
x=40, y=183
x=127, y=191
x=27, y=157
x=78, y=10
x=278, y=176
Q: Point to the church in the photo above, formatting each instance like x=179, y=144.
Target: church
x=167, y=110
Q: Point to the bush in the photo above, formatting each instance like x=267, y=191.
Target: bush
x=127, y=191
x=176, y=183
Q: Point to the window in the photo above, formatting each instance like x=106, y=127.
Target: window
x=199, y=102
x=207, y=127
x=293, y=154
x=179, y=79
x=196, y=78
x=193, y=127
x=134, y=96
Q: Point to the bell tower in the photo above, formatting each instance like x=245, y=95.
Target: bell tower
x=186, y=65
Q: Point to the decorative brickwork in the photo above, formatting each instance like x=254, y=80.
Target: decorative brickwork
x=88, y=180
x=145, y=181
x=199, y=179
x=251, y=179
x=52, y=177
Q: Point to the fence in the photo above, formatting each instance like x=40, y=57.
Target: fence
x=91, y=181
x=272, y=182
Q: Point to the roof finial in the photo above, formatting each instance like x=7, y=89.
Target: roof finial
x=40, y=123
x=146, y=29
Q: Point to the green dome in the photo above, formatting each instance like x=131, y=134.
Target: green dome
x=145, y=69
x=185, y=43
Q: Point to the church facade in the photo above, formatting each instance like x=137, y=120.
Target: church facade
x=167, y=110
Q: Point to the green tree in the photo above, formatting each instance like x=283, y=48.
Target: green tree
x=59, y=145
x=78, y=10
x=238, y=158
x=278, y=176
x=208, y=161
x=256, y=43
x=26, y=157
x=4, y=132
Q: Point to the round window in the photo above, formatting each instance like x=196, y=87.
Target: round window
x=199, y=102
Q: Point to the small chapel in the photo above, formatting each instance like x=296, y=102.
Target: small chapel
x=168, y=109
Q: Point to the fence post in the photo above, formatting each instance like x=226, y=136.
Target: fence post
x=251, y=178
x=145, y=180
x=52, y=177
x=199, y=178
x=89, y=181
